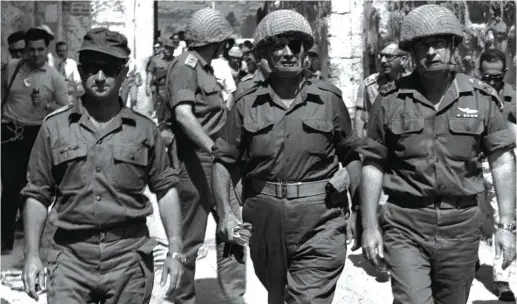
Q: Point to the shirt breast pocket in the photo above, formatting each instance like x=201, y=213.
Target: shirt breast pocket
x=319, y=135
x=69, y=165
x=130, y=167
x=212, y=95
x=466, y=136
x=407, y=137
x=261, y=139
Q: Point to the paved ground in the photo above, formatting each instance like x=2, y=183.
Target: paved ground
x=359, y=283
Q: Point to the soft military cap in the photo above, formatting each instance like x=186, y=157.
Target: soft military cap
x=427, y=21
x=105, y=41
x=207, y=26
x=283, y=22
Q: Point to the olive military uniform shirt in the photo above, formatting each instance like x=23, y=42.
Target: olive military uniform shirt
x=157, y=67
x=367, y=93
x=429, y=152
x=191, y=80
x=99, y=176
x=507, y=96
x=301, y=143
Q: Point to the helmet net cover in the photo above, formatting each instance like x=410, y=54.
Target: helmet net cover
x=283, y=23
x=207, y=26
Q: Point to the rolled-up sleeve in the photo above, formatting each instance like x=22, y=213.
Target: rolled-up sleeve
x=227, y=148
x=182, y=86
x=497, y=135
x=162, y=176
x=347, y=142
x=40, y=181
x=375, y=147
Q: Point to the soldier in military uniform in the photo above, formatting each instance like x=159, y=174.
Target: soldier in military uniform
x=391, y=59
x=492, y=68
x=311, y=62
x=156, y=74
x=197, y=113
x=288, y=135
x=96, y=158
x=425, y=137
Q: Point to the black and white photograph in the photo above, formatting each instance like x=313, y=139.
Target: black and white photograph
x=258, y=152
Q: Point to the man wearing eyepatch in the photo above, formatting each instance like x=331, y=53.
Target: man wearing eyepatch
x=96, y=158
x=492, y=69
x=287, y=136
x=425, y=137
x=197, y=113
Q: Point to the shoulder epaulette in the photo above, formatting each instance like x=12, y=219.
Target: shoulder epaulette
x=247, y=77
x=388, y=88
x=371, y=79
x=58, y=111
x=486, y=89
x=143, y=115
x=248, y=91
x=327, y=86
x=191, y=60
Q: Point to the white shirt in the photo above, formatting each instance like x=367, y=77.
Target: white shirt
x=223, y=74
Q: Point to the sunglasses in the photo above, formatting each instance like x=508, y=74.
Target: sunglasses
x=488, y=78
x=16, y=51
x=92, y=68
x=294, y=44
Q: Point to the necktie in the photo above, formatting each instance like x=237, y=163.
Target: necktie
x=61, y=68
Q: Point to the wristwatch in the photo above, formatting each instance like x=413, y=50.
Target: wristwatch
x=510, y=227
x=177, y=256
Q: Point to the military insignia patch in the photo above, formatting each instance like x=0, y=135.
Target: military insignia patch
x=191, y=60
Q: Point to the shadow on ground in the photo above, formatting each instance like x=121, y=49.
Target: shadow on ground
x=359, y=261
x=208, y=291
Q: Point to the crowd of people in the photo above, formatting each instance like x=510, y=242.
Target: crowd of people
x=254, y=135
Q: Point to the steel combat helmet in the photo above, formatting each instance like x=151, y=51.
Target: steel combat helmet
x=207, y=26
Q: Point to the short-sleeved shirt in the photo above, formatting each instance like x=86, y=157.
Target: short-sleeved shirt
x=507, y=96
x=191, y=80
x=429, y=152
x=98, y=175
x=19, y=106
x=302, y=143
x=158, y=67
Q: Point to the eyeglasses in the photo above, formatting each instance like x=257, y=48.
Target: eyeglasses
x=16, y=51
x=494, y=77
x=388, y=57
x=92, y=68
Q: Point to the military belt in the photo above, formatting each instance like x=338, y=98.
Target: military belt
x=133, y=229
x=440, y=202
x=289, y=190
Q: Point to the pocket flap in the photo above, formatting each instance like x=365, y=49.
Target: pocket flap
x=407, y=125
x=211, y=88
x=466, y=125
x=318, y=125
x=69, y=152
x=255, y=127
x=132, y=155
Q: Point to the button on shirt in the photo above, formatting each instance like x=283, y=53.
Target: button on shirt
x=429, y=152
x=191, y=80
x=100, y=175
x=19, y=106
x=301, y=143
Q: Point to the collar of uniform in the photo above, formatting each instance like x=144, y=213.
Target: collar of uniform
x=299, y=98
x=78, y=112
x=507, y=93
x=200, y=59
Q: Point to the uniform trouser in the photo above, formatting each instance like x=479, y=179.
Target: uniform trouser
x=298, y=247
x=489, y=197
x=15, y=159
x=430, y=252
x=195, y=194
x=117, y=271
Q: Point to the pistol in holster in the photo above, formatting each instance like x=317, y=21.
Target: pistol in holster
x=337, y=191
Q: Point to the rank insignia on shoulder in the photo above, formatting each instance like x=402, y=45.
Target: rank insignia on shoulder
x=191, y=60
x=388, y=88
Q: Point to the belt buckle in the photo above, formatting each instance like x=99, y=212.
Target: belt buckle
x=284, y=189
